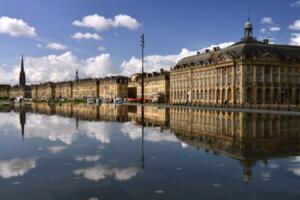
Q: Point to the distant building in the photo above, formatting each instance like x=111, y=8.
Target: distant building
x=113, y=87
x=156, y=86
x=4, y=91
x=64, y=90
x=248, y=72
x=44, y=91
x=84, y=88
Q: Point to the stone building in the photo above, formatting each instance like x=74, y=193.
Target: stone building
x=156, y=86
x=84, y=88
x=44, y=91
x=4, y=91
x=113, y=87
x=64, y=90
x=247, y=72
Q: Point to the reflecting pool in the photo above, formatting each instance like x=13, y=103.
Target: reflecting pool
x=77, y=151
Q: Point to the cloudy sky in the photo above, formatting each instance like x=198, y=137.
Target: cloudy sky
x=101, y=37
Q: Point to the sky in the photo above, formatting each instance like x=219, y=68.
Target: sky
x=101, y=37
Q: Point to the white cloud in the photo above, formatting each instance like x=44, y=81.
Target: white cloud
x=56, y=46
x=126, y=21
x=274, y=28
x=151, y=135
x=100, y=172
x=99, y=66
x=101, y=48
x=296, y=25
x=295, y=4
x=295, y=39
x=51, y=68
x=9, y=76
x=62, y=67
x=53, y=130
x=16, y=27
x=59, y=68
x=157, y=62
x=295, y=168
x=39, y=45
x=57, y=149
x=100, y=131
x=100, y=23
x=270, y=28
x=266, y=20
x=86, y=36
x=89, y=158
x=16, y=167
x=263, y=30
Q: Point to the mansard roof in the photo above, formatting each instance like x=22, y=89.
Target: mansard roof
x=244, y=49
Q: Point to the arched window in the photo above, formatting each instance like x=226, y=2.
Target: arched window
x=276, y=96
x=218, y=96
x=229, y=95
x=237, y=95
x=268, y=96
x=259, y=96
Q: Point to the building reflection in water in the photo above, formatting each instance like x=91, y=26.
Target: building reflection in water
x=246, y=137
x=22, y=119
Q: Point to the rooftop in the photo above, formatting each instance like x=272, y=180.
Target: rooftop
x=246, y=48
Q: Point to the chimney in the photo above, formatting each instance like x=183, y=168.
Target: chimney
x=206, y=50
x=266, y=41
x=216, y=48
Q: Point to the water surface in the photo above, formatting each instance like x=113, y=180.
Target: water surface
x=103, y=152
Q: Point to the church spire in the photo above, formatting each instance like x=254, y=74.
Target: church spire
x=22, y=77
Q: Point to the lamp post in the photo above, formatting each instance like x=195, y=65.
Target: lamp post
x=142, y=79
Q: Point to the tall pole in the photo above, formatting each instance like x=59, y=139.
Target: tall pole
x=142, y=80
x=142, y=107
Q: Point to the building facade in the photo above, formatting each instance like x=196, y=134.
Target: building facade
x=4, y=91
x=113, y=87
x=44, y=91
x=84, y=88
x=64, y=90
x=156, y=86
x=248, y=72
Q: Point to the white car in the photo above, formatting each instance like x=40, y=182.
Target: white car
x=118, y=100
x=90, y=100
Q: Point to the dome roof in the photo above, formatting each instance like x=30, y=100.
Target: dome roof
x=248, y=24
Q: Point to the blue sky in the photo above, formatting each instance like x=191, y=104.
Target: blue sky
x=172, y=29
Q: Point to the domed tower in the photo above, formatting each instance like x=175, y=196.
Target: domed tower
x=248, y=30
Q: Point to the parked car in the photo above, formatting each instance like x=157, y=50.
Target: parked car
x=118, y=100
x=90, y=100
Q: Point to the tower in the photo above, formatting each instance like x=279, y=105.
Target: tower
x=248, y=30
x=22, y=77
x=76, y=76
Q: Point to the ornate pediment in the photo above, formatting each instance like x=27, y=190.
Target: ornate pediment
x=267, y=55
